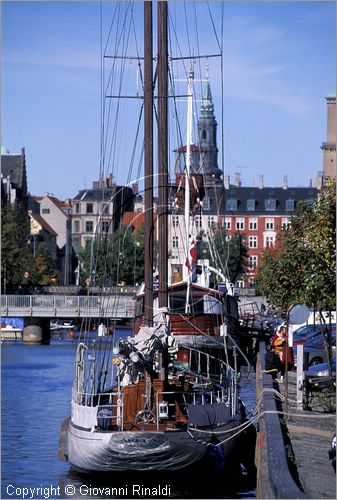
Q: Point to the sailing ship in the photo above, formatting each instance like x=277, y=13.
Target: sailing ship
x=166, y=398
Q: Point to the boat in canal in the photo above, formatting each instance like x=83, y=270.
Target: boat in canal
x=165, y=398
x=62, y=325
x=11, y=328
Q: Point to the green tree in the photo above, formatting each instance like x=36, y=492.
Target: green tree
x=16, y=256
x=228, y=256
x=114, y=259
x=44, y=267
x=301, y=267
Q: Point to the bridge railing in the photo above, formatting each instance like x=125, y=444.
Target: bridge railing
x=69, y=306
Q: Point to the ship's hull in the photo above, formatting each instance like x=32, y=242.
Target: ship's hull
x=145, y=450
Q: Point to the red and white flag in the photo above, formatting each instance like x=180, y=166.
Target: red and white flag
x=192, y=257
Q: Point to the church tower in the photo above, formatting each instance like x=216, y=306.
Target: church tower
x=207, y=131
x=329, y=147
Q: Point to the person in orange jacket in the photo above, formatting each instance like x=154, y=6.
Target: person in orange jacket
x=279, y=341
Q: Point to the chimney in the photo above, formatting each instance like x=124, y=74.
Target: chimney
x=261, y=182
x=226, y=181
x=310, y=183
x=285, y=182
x=237, y=181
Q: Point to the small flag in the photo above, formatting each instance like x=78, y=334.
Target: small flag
x=192, y=257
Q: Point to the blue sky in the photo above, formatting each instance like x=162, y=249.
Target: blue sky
x=279, y=64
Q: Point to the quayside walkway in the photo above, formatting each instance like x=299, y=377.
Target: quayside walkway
x=310, y=434
x=292, y=443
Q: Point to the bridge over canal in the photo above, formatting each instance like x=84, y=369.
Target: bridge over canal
x=119, y=306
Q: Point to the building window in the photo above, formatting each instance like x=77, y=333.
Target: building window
x=240, y=284
x=231, y=204
x=76, y=226
x=252, y=261
x=89, y=226
x=46, y=210
x=269, y=241
x=210, y=221
x=251, y=205
x=290, y=205
x=175, y=220
x=90, y=208
x=76, y=208
x=251, y=282
x=285, y=224
x=227, y=223
x=309, y=201
x=76, y=243
x=105, y=226
x=252, y=242
x=175, y=242
x=197, y=221
x=269, y=224
x=270, y=204
x=105, y=209
x=203, y=134
x=252, y=224
x=239, y=223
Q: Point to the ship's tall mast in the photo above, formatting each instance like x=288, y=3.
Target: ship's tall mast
x=187, y=182
x=162, y=154
x=148, y=162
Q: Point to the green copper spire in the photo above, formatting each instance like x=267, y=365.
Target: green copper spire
x=207, y=103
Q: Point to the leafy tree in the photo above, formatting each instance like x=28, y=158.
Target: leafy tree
x=16, y=256
x=44, y=267
x=228, y=256
x=114, y=259
x=301, y=267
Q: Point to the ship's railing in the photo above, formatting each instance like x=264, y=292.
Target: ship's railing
x=224, y=372
x=109, y=407
x=166, y=401
x=203, y=360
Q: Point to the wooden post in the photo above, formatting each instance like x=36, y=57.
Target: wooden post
x=299, y=375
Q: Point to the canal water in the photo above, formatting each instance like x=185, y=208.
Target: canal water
x=36, y=387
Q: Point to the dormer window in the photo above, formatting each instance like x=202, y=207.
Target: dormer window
x=251, y=204
x=270, y=204
x=290, y=205
x=231, y=204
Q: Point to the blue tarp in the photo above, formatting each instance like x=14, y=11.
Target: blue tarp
x=14, y=322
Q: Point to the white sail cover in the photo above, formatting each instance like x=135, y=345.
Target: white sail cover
x=148, y=341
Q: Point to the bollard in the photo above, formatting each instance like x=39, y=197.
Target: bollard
x=299, y=375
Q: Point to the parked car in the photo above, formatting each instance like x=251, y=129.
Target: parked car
x=318, y=376
x=316, y=350
x=306, y=332
x=315, y=342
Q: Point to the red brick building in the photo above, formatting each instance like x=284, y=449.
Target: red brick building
x=259, y=213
